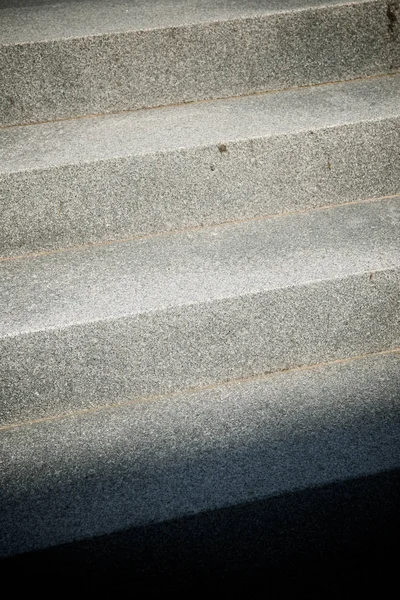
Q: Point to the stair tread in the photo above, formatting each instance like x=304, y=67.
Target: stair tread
x=84, y=181
x=199, y=274
x=73, y=59
x=63, y=20
x=213, y=124
x=161, y=272
x=91, y=474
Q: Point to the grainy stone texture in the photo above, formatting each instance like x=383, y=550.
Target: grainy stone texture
x=79, y=58
x=120, y=327
x=90, y=327
x=97, y=473
x=90, y=180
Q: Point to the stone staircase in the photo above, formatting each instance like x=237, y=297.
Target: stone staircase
x=200, y=286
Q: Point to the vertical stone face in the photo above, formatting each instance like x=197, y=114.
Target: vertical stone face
x=110, y=59
x=199, y=284
x=107, y=178
x=168, y=313
x=98, y=473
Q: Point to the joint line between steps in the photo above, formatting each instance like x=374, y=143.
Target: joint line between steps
x=195, y=390
x=289, y=213
x=204, y=101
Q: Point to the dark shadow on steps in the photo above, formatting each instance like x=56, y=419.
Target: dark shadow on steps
x=307, y=543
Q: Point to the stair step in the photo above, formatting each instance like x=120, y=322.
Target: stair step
x=85, y=328
x=113, y=177
x=119, y=469
x=64, y=59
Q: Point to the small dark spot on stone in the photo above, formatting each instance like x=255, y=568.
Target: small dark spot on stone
x=212, y=167
x=11, y=100
x=329, y=165
x=222, y=148
x=371, y=276
x=392, y=8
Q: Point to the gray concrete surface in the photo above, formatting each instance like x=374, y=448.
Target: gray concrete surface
x=69, y=59
x=90, y=327
x=147, y=381
x=92, y=474
x=91, y=180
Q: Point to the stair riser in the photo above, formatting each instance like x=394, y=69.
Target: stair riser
x=103, y=472
x=56, y=371
x=120, y=198
x=106, y=73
